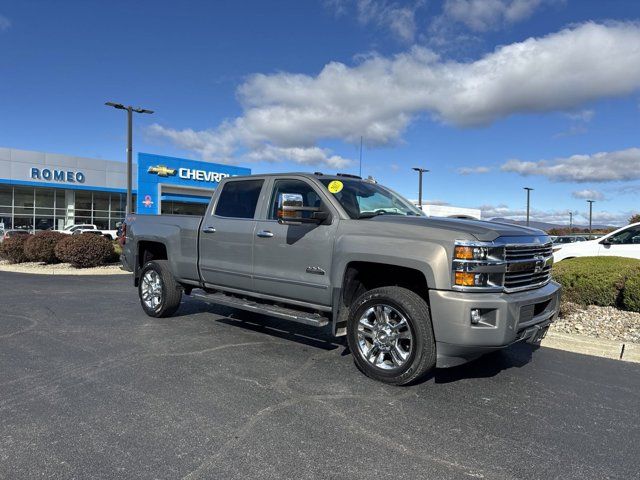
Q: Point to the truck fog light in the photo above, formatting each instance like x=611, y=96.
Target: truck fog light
x=475, y=316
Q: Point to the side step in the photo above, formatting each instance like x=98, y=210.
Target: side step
x=313, y=319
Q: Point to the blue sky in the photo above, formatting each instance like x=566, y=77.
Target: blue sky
x=490, y=95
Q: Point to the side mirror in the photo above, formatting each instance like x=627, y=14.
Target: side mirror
x=606, y=241
x=291, y=210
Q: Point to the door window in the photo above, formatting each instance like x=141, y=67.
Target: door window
x=310, y=197
x=238, y=199
x=626, y=237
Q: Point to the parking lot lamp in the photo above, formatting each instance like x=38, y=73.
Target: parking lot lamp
x=528, y=189
x=570, y=222
x=590, y=202
x=420, y=172
x=130, y=109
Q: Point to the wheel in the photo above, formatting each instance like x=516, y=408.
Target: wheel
x=390, y=335
x=159, y=292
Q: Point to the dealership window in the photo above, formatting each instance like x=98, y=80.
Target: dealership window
x=239, y=199
x=6, y=207
x=170, y=207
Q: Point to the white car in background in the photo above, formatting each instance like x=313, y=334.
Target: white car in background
x=624, y=242
x=81, y=228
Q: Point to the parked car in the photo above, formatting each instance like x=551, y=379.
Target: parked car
x=569, y=239
x=624, y=242
x=80, y=228
x=12, y=233
x=409, y=292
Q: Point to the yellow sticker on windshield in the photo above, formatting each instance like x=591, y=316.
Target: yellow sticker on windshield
x=335, y=186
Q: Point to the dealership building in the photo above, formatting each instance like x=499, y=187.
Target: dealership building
x=49, y=190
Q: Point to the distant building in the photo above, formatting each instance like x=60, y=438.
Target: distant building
x=451, y=211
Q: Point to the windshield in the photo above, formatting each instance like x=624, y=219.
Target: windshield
x=363, y=199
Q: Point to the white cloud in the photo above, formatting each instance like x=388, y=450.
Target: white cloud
x=558, y=217
x=379, y=96
x=5, y=23
x=581, y=116
x=397, y=17
x=485, y=15
x=598, y=167
x=473, y=170
x=588, y=195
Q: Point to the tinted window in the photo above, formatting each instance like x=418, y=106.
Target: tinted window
x=310, y=197
x=626, y=237
x=239, y=199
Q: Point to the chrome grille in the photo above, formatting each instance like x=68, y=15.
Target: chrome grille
x=528, y=266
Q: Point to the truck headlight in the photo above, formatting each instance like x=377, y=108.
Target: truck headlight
x=478, y=266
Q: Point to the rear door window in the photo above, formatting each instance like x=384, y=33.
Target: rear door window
x=239, y=199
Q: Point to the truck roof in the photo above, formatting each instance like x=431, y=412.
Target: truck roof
x=305, y=174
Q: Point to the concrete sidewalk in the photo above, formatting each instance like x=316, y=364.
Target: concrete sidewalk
x=598, y=347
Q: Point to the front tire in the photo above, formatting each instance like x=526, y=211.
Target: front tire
x=390, y=335
x=159, y=292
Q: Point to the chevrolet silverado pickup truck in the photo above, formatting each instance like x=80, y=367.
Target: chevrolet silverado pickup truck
x=410, y=293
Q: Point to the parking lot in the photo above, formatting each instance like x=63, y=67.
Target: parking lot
x=90, y=387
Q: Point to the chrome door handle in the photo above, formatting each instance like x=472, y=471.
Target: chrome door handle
x=208, y=230
x=265, y=234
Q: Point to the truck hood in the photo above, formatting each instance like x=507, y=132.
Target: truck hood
x=480, y=229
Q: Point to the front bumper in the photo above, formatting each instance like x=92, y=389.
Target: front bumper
x=506, y=318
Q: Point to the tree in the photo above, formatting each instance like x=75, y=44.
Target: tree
x=635, y=218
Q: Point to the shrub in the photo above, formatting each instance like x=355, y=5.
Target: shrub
x=604, y=281
x=631, y=294
x=40, y=247
x=13, y=248
x=84, y=250
x=117, y=250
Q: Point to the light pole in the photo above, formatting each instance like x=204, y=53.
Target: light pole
x=528, y=189
x=420, y=172
x=570, y=222
x=130, y=111
x=590, y=202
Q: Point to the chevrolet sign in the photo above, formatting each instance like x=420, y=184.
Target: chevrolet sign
x=201, y=175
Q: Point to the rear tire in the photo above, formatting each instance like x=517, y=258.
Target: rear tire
x=390, y=335
x=159, y=292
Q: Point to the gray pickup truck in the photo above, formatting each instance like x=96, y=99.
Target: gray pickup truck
x=411, y=293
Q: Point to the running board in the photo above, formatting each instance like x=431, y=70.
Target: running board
x=313, y=319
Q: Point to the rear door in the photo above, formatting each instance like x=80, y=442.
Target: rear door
x=294, y=261
x=227, y=233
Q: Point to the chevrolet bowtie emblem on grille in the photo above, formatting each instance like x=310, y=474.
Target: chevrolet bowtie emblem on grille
x=162, y=171
x=539, y=263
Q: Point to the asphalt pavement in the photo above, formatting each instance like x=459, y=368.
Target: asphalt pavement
x=90, y=387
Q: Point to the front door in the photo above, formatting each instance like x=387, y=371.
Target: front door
x=227, y=234
x=623, y=244
x=294, y=261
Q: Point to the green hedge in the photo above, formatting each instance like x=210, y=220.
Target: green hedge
x=604, y=281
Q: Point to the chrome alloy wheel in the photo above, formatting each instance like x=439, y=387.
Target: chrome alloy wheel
x=384, y=337
x=151, y=289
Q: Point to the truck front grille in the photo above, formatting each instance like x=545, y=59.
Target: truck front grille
x=528, y=266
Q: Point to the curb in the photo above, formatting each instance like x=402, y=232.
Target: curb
x=56, y=271
x=614, y=349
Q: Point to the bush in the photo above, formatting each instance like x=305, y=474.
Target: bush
x=40, y=247
x=117, y=251
x=13, y=249
x=603, y=281
x=631, y=294
x=84, y=250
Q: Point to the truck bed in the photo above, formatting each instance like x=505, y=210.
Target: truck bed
x=178, y=232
